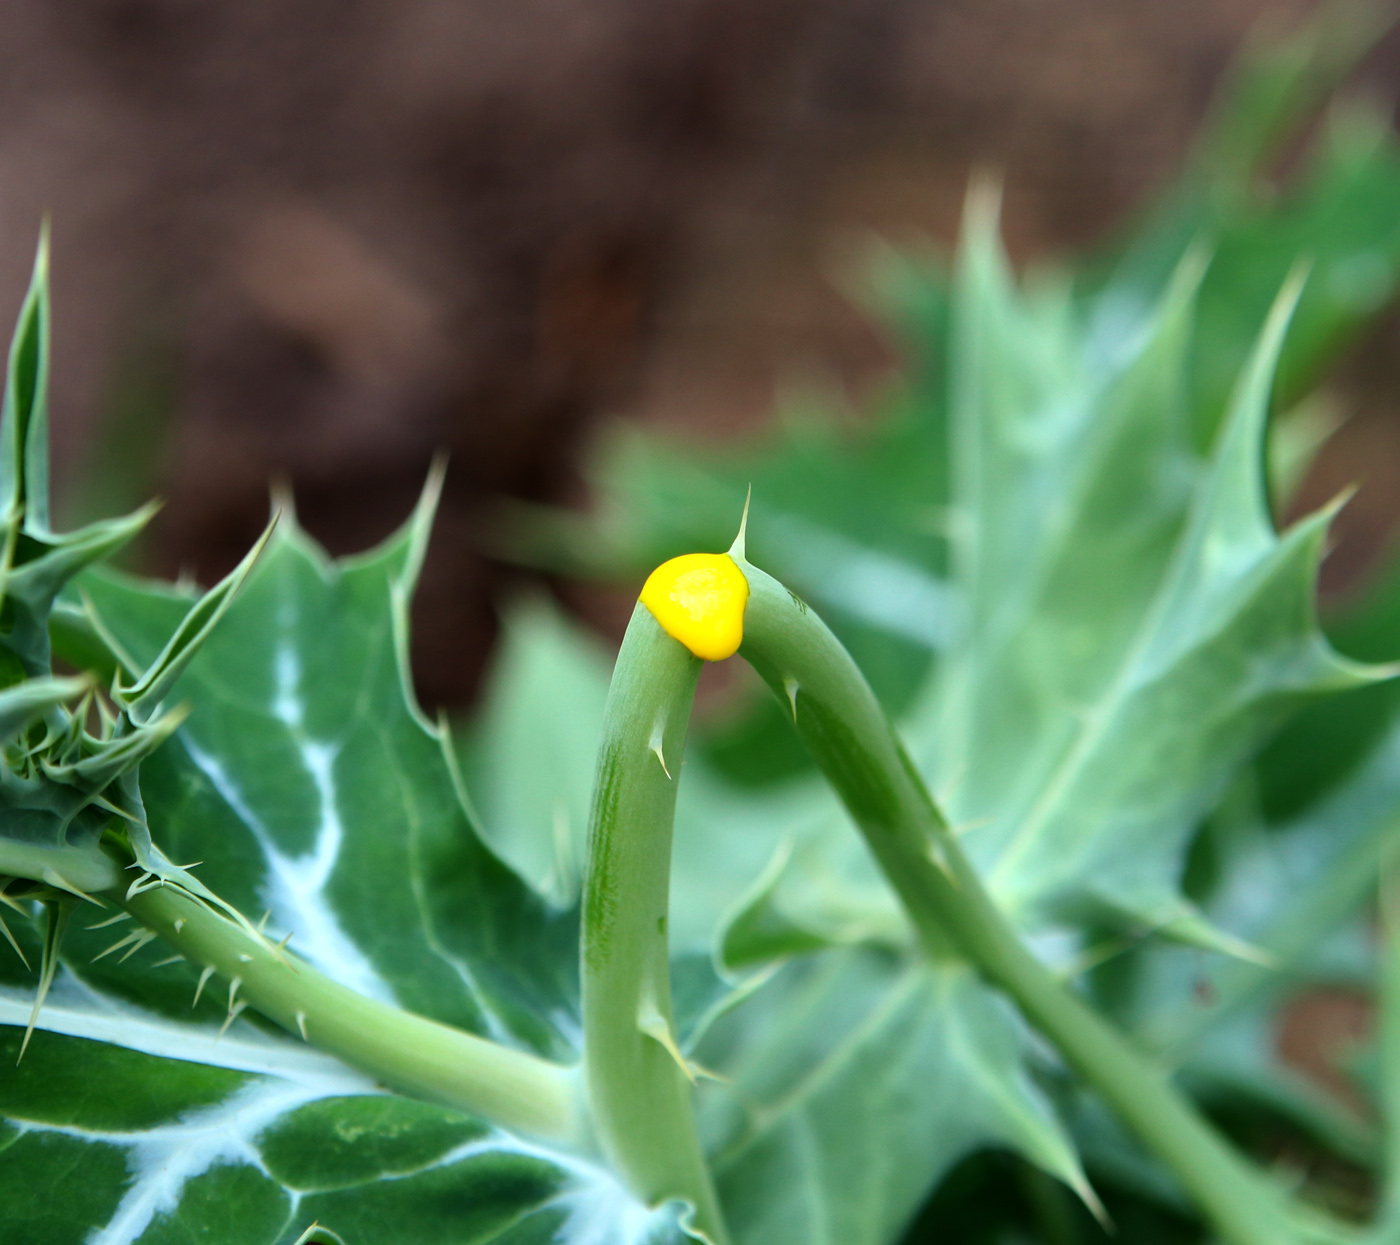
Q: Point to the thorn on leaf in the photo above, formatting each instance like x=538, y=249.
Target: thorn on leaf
x=111, y=920
x=58, y=912
x=10, y=938
x=235, y=1005
x=658, y=739
x=203, y=981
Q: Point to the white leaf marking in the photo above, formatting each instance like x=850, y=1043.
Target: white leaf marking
x=295, y=886
x=76, y=1010
x=600, y=1210
x=163, y=1160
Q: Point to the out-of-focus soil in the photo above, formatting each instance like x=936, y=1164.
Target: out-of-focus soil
x=321, y=241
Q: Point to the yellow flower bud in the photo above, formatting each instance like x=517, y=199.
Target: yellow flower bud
x=699, y=599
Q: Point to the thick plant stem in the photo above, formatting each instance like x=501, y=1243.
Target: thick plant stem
x=420, y=1057
x=843, y=726
x=637, y=1082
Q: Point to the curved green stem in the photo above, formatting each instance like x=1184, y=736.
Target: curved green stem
x=418, y=1056
x=852, y=741
x=637, y=1082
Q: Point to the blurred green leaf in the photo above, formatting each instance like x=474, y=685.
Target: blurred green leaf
x=855, y=1079
x=529, y=759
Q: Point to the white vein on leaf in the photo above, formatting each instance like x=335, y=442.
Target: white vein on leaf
x=598, y=1208
x=599, y=1211
x=75, y=1009
x=164, y=1160
x=295, y=886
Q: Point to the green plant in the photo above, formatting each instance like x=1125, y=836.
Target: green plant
x=718, y=1011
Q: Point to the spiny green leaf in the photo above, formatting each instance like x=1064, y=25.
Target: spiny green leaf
x=58, y=784
x=1134, y=628
x=308, y=784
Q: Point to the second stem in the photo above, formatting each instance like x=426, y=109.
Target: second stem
x=849, y=737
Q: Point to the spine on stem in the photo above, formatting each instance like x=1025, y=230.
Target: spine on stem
x=639, y=1083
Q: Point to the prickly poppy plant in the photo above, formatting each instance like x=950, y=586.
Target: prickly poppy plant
x=973, y=922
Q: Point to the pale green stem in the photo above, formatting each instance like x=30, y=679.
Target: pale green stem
x=518, y=1091
x=637, y=1086
x=850, y=738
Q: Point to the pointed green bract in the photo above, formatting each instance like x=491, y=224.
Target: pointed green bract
x=62, y=786
x=24, y=417
x=26, y=703
x=146, y=695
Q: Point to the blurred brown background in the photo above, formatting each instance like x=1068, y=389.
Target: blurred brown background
x=319, y=241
